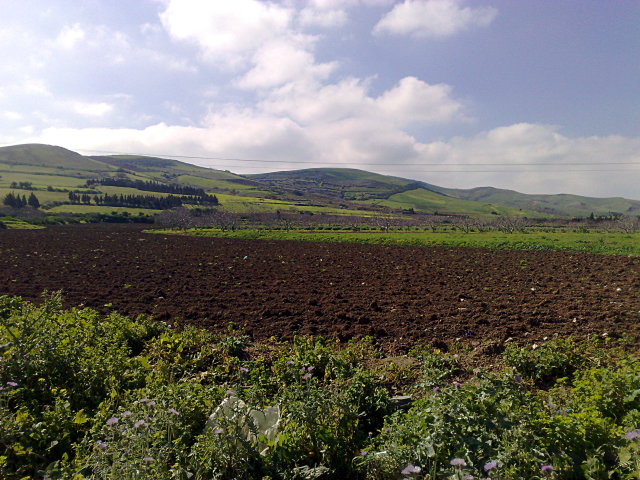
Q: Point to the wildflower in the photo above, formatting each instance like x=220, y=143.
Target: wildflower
x=436, y=389
x=127, y=414
x=218, y=431
x=517, y=379
x=143, y=400
x=410, y=469
x=230, y=392
x=306, y=376
x=150, y=403
x=468, y=477
x=112, y=421
x=457, y=384
x=490, y=465
x=309, y=369
x=244, y=369
x=139, y=423
x=458, y=462
x=147, y=459
x=632, y=434
x=546, y=469
x=101, y=445
x=12, y=384
x=290, y=362
x=363, y=453
x=173, y=411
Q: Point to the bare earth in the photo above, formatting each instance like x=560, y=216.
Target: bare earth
x=399, y=295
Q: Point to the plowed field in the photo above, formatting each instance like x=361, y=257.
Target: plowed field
x=400, y=295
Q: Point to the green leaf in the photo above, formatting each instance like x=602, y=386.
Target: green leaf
x=80, y=417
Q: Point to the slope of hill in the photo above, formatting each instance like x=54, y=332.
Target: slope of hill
x=49, y=156
x=53, y=171
x=558, y=205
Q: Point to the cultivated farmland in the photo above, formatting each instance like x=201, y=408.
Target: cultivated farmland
x=399, y=295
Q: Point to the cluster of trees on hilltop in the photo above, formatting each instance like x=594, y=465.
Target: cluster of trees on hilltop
x=17, y=201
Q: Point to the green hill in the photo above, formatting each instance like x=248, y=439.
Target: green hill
x=556, y=205
x=54, y=171
x=49, y=156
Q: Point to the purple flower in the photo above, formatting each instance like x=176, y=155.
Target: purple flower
x=436, y=389
x=140, y=423
x=230, y=392
x=142, y=400
x=218, y=431
x=112, y=421
x=309, y=369
x=410, y=469
x=457, y=384
x=150, y=403
x=363, y=453
x=126, y=414
x=173, y=411
x=517, y=379
x=632, y=434
x=306, y=376
x=147, y=459
x=546, y=469
x=101, y=445
x=458, y=462
x=244, y=369
x=12, y=384
x=490, y=465
x=290, y=362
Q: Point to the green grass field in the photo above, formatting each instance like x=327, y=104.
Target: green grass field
x=600, y=243
x=14, y=223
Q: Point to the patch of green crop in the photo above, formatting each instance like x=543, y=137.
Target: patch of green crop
x=591, y=242
x=15, y=223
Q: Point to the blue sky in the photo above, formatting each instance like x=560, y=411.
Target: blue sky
x=537, y=96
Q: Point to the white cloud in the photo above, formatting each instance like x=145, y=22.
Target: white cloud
x=281, y=62
x=532, y=158
x=70, y=36
x=227, y=32
x=410, y=102
x=91, y=109
x=10, y=115
x=433, y=18
x=324, y=13
x=414, y=101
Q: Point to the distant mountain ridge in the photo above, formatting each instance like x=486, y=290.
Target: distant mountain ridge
x=350, y=188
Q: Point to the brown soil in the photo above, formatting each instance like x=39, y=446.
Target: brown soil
x=399, y=295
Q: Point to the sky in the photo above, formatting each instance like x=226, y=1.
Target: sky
x=538, y=96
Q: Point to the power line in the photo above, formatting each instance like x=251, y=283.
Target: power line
x=296, y=162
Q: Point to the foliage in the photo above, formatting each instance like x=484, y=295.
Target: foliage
x=108, y=397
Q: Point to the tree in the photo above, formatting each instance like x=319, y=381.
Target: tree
x=10, y=200
x=33, y=201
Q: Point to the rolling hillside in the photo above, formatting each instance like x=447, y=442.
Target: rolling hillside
x=54, y=171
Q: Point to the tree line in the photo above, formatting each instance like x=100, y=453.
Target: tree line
x=141, y=201
x=150, y=186
x=17, y=201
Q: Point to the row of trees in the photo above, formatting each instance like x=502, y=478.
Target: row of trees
x=150, y=186
x=16, y=201
x=141, y=201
